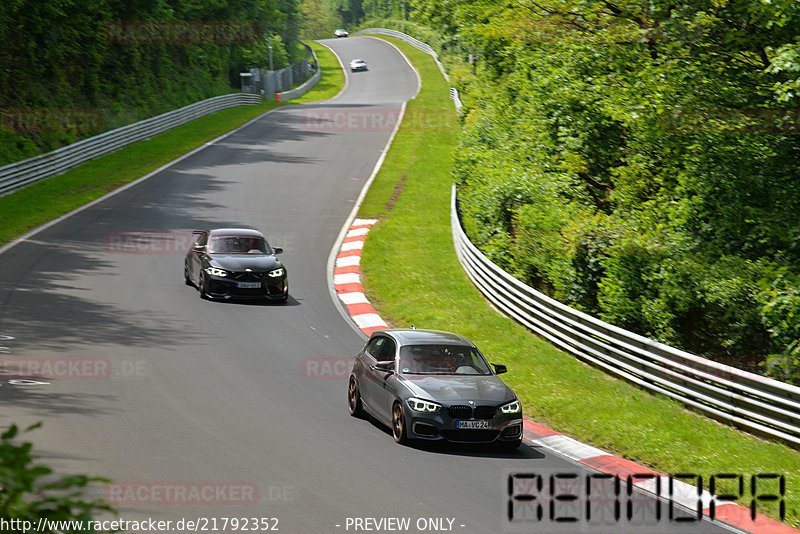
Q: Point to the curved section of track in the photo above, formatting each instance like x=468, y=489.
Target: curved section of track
x=169, y=395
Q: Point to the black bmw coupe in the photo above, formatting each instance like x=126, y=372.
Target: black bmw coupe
x=235, y=263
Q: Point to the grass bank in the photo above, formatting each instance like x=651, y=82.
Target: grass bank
x=412, y=276
x=45, y=200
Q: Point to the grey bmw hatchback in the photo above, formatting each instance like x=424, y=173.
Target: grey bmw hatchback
x=433, y=385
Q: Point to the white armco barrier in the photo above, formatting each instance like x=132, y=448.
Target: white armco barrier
x=751, y=402
x=21, y=173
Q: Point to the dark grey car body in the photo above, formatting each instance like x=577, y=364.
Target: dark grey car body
x=234, y=272
x=382, y=384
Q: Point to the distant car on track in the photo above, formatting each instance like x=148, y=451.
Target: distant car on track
x=235, y=263
x=432, y=385
x=341, y=33
x=358, y=64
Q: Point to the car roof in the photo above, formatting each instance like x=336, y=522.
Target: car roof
x=413, y=336
x=236, y=231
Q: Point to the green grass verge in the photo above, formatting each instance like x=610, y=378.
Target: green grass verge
x=412, y=276
x=45, y=200
x=332, y=76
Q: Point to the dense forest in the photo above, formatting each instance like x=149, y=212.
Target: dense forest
x=636, y=160
x=73, y=68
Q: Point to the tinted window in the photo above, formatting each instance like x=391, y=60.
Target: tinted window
x=374, y=346
x=238, y=244
x=381, y=348
x=387, y=351
x=442, y=360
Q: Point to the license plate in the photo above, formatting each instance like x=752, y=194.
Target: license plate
x=472, y=425
x=248, y=285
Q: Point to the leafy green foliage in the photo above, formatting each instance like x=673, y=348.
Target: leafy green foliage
x=780, y=296
x=639, y=162
x=31, y=491
x=70, y=58
x=258, y=55
x=320, y=19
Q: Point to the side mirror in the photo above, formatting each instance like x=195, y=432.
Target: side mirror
x=277, y=250
x=499, y=368
x=386, y=367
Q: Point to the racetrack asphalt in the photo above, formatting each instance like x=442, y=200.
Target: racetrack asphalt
x=169, y=395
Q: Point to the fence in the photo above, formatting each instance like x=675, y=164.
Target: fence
x=308, y=84
x=271, y=82
x=751, y=402
x=16, y=175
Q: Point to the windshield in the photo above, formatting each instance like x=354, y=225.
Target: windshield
x=238, y=244
x=442, y=360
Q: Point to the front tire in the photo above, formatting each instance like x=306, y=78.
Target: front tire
x=354, y=405
x=186, y=279
x=203, y=287
x=399, y=431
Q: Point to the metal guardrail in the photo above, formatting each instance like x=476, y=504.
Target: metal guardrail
x=408, y=39
x=420, y=46
x=456, y=99
x=17, y=175
x=751, y=402
x=280, y=83
x=285, y=96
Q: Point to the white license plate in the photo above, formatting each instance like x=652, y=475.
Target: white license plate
x=248, y=285
x=472, y=425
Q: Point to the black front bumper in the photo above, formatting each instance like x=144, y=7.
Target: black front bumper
x=503, y=428
x=222, y=288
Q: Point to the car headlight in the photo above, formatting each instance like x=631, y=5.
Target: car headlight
x=511, y=407
x=419, y=405
x=213, y=271
x=276, y=272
